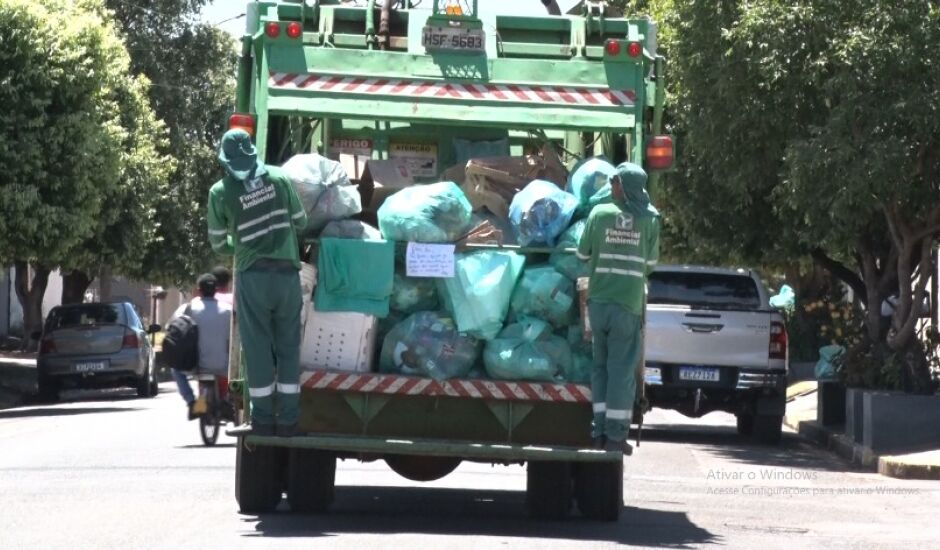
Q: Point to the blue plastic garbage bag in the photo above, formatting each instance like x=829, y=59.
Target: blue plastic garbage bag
x=411, y=294
x=479, y=293
x=545, y=294
x=541, y=212
x=785, y=299
x=527, y=350
x=568, y=263
x=830, y=361
x=434, y=213
x=428, y=344
x=324, y=189
x=589, y=181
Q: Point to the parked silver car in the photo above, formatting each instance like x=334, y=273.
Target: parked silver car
x=95, y=346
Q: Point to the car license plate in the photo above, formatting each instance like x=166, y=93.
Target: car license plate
x=453, y=38
x=699, y=374
x=91, y=366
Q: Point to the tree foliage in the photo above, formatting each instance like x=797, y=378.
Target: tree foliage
x=810, y=129
x=77, y=135
x=191, y=66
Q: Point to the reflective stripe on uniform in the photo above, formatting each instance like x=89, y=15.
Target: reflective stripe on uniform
x=264, y=231
x=623, y=258
x=652, y=262
x=218, y=232
x=615, y=271
x=260, y=219
x=600, y=407
x=582, y=256
x=264, y=391
x=288, y=388
x=298, y=215
x=617, y=415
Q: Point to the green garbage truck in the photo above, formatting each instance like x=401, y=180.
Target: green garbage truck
x=422, y=88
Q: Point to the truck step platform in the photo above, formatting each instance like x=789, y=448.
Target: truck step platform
x=465, y=450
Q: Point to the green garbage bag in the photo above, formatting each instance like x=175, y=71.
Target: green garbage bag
x=545, y=294
x=428, y=344
x=434, y=213
x=479, y=293
x=411, y=294
x=568, y=263
x=527, y=350
x=582, y=355
x=830, y=361
x=589, y=181
x=785, y=299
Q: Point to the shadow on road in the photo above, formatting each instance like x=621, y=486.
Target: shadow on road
x=434, y=511
x=60, y=411
x=201, y=446
x=792, y=452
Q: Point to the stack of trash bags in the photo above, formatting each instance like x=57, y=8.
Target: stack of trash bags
x=541, y=212
x=479, y=293
x=544, y=293
x=568, y=263
x=589, y=183
x=324, y=190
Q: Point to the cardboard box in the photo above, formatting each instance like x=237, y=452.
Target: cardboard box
x=381, y=179
x=338, y=341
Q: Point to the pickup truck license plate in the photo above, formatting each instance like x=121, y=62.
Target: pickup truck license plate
x=453, y=38
x=91, y=366
x=699, y=374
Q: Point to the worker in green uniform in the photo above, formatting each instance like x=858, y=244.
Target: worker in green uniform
x=621, y=244
x=254, y=213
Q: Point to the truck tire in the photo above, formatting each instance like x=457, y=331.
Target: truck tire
x=599, y=490
x=745, y=424
x=768, y=428
x=258, y=481
x=548, y=489
x=422, y=468
x=311, y=478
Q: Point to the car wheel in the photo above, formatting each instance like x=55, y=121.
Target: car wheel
x=48, y=390
x=768, y=428
x=147, y=384
x=745, y=424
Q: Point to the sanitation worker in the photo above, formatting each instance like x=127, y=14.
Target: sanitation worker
x=255, y=214
x=621, y=244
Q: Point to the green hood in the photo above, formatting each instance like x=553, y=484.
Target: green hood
x=633, y=182
x=239, y=156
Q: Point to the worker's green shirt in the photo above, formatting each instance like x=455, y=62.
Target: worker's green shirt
x=622, y=250
x=260, y=222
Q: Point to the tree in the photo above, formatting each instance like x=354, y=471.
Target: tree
x=810, y=129
x=64, y=147
x=192, y=68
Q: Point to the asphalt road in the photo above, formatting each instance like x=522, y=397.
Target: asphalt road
x=106, y=470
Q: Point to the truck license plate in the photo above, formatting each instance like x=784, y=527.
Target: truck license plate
x=699, y=374
x=453, y=38
x=91, y=366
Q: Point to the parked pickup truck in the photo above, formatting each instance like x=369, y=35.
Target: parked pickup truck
x=713, y=343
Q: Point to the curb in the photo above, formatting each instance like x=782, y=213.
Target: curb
x=860, y=455
x=893, y=467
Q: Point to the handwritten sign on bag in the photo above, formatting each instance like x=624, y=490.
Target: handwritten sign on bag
x=429, y=260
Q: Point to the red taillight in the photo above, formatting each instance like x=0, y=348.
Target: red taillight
x=130, y=340
x=778, y=341
x=294, y=29
x=659, y=153
x=635, y=49
x=272, y=29
x=46, y=346
x=240, y=121
x=612, y=47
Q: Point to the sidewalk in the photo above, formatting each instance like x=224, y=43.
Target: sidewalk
x=17, y=378
x=801, y=417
